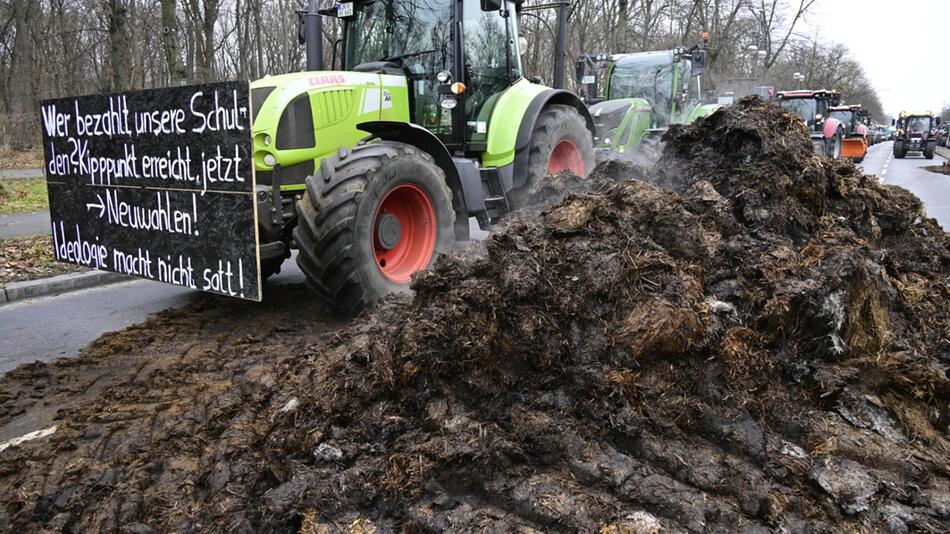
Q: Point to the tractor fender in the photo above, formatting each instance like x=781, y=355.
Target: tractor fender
x=861, y=130
x=530, y=118
x=426, y=141
x=830, y=128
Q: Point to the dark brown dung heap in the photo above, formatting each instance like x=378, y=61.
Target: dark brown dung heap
x=760, y=345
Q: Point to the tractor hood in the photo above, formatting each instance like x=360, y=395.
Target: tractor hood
x=298, y=118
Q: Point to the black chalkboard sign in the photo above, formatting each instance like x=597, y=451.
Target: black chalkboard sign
x=157, y=184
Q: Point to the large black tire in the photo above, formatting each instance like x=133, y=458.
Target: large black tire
x=336, y=231
x=557, y=127
x=929, y=151
x=833, y=145
x=899, y=151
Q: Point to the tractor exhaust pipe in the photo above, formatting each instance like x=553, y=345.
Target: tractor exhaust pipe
x=311, y=33
x=561, y=45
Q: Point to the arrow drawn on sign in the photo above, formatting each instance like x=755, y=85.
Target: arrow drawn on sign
x=101, y=205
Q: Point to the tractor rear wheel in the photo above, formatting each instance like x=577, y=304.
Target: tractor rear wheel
x=560, y=142
x=372, y=217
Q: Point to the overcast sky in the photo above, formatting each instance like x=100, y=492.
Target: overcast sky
x=903, y=45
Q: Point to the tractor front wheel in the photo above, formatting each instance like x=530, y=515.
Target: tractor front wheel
x=372, y=217
x=560, y=142
x=929, y=150
x=833, y=146
x=899, y=151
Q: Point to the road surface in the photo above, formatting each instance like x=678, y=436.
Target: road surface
x=50, y=327
x=21, y=174
x=24, y=224
x=932, y=188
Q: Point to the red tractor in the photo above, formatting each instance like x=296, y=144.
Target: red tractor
x=827, y=133
x=855, y=119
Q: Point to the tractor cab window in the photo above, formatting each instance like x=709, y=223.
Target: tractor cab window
x=843, y=116
x=918, y=124
x=806, y=108
x=487, y=61
x=417, y=37
x=648, y=76
x=692, y=94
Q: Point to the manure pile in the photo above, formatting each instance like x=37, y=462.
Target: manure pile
x=759, y=344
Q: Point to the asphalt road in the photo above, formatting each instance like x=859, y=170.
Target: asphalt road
x=24, y=224
x=932, y=188
x=50, y=327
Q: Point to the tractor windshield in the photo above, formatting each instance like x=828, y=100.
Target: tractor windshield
x=416, y=34
x=649, y=76
x=806, y=108
x=843, y=116
x=918, y=124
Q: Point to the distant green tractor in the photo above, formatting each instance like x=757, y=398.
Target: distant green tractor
x=644, y=94
x=373, y=170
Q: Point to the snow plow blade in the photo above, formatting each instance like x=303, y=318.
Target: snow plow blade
x=854, y=147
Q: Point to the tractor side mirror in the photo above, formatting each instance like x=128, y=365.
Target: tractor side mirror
x=699, y=62
x=491, y=5
x=938, y=121
x=893, y=122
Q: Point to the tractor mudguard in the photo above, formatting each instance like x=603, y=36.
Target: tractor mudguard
x=419, y=137
x=530, y=118
x=704, y=110
x=830, y=128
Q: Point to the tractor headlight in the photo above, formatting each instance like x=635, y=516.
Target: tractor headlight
x=270, y=160
x=267, y=140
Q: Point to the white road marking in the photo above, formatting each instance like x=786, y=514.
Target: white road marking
x=27, y=437
x=886, y=163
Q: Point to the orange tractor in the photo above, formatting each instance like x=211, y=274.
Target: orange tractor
x=855, y=119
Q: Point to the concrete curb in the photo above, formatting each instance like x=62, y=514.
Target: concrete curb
x=945, y=152
x=21, y=174
x=53, y=285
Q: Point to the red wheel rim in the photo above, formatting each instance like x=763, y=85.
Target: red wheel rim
x=404, y=233
x=566, y=157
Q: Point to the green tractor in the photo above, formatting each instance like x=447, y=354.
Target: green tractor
x=373, y=170
x=645, y=93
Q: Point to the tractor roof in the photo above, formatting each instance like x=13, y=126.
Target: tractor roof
x=905, y=114
x=803, y=93
x=657, y=55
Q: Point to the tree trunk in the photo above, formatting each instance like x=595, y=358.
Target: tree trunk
x=623, y=14
x=119, y=44
x=21, y=71
x=172, y=43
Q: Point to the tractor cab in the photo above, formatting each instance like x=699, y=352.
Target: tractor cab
x=827, y=133
x=854, y=117
x=644, y=94
x=451, y=87
x=811, y=106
